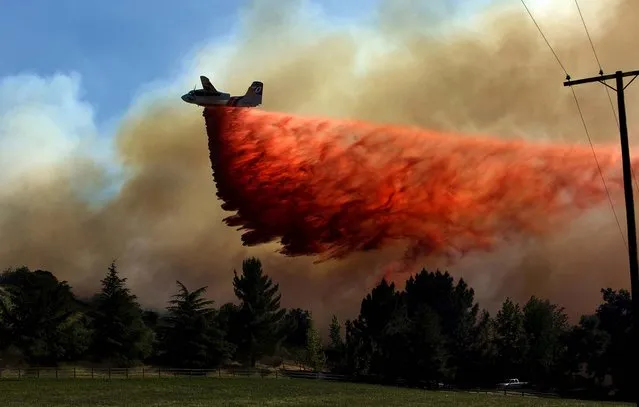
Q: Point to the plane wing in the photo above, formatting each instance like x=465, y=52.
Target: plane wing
x=207, y=85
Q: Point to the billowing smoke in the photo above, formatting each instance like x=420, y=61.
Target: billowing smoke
x=493, y=75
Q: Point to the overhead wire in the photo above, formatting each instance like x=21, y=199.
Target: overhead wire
x=592, y=45
x=594, y=154
x=545, y=39
x=583, y=121
x=601, y=72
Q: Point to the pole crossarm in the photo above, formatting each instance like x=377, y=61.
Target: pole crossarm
x=601, y=78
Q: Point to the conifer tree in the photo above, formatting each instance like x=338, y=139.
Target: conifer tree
x=120, y=336
x=260, y=314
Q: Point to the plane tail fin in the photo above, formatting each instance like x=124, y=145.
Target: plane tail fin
x=254, y=93
x=207, y=85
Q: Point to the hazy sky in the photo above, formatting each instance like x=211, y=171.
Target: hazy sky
x=79, y=66
x=118, y=46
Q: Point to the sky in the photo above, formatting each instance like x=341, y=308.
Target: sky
x=117, y=47
x=78, y=67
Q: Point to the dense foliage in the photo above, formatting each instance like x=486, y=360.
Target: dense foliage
x=431, y=331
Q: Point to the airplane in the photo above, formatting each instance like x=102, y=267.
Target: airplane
x=209, y=96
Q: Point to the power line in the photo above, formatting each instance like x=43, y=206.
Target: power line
x=583, y=121
x=594, y=154
x=545, y=39
x=592, y=45
x=612, y=106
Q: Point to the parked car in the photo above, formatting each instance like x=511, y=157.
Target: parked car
x=511, y=383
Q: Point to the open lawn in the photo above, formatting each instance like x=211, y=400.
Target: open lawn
x=187, y=392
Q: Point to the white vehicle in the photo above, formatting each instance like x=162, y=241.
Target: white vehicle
x=511, y=383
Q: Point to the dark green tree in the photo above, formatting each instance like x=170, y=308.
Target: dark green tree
x=482, y=355
x=456, y=310
x=41, y=317
x=510, y=341
x=151, y=319
x=227, y=313
x=586, y=356
x=334, y=334
x=356, y=355
x=295, y=326
x=6, y=337
x=423, y=353
x=315, y=356
x=294, y=331
x=615, y=318
x=228, y=321
x=335, y=350
x=376, y=311
x=396, y=337
x=478, y=367
x=120, y=336
x=545, y=326
x=260, y=315
x=191, y=337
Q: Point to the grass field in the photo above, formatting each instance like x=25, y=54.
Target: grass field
x=187, y=392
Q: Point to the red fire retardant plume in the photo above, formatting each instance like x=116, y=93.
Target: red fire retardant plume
x=329, y=187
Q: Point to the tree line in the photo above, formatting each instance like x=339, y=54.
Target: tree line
x=432, y=330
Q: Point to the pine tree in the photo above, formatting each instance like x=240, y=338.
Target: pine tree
x=191, y=337
x=260, y=314
x=314, y=350
x=120, y=336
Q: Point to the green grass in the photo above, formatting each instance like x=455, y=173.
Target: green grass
x=187, y=392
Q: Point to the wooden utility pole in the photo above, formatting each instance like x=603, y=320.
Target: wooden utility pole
x=630, y=206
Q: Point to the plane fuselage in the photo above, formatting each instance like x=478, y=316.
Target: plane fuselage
x=203, y=98
x=209, y=96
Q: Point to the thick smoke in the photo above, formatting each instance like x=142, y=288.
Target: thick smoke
x=494, y=76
